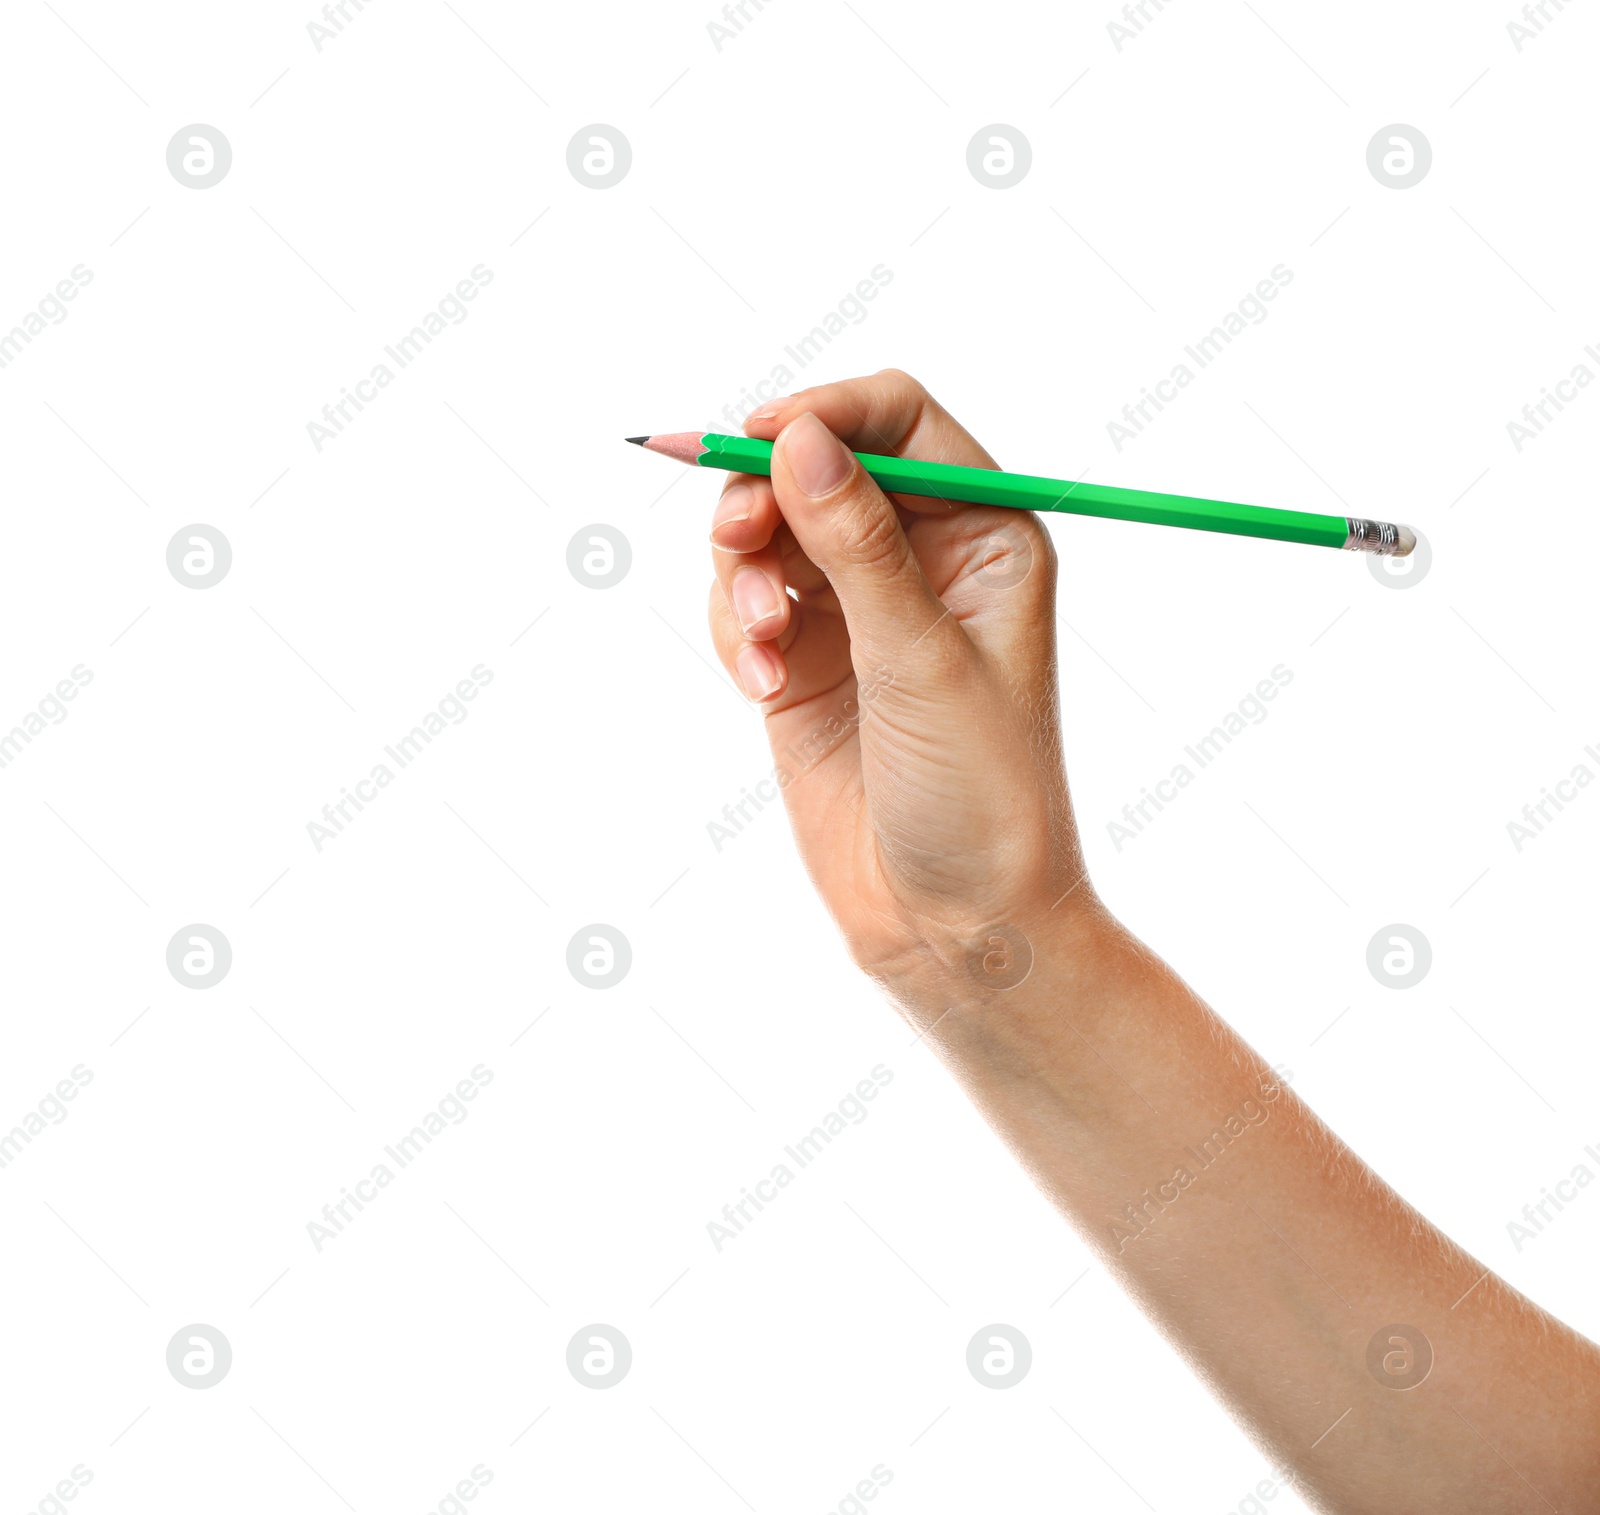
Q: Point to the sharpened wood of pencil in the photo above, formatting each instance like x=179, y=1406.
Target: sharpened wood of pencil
x=1020, y=491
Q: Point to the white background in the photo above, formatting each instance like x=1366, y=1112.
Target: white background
x=769, y=176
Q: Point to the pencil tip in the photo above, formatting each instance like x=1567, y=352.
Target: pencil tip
x=637, y=441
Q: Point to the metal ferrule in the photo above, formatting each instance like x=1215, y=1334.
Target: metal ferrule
x=1378, y=537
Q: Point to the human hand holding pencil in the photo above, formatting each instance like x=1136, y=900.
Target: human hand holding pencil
x=909, y=689
x=936, y=618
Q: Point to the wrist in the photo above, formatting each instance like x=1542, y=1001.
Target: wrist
x=1051, y=959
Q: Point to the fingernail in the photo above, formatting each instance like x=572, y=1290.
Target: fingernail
x=767, y=412
x=755, y=601
x=757, y=673
x=816, y=457
x=736, y=504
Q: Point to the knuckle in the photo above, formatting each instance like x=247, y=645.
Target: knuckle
x=1013, y=553
x=870, y=534
x=902, y=380
x=726, y=639
x=1048, y=555
x=908, y=401
x=1032, y=533
x=718, y=615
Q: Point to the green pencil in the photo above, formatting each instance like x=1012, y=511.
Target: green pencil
x=1021, y=491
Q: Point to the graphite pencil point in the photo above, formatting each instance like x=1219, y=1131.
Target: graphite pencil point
x=637, y=441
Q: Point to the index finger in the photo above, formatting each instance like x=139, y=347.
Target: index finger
x=890, y=412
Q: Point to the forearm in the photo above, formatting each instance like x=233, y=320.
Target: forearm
x=1258, y=1243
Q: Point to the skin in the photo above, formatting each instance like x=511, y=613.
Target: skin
x=910, y=694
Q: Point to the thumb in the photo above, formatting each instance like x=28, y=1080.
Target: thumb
x=847, y=526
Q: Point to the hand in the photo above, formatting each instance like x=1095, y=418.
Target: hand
x=909, y=686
